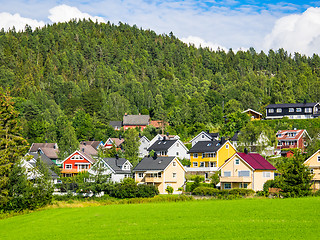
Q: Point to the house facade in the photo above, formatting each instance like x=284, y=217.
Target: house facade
x=204, y=136
x=171, y=148
x=160, y=172
x=161, y=137
x=117, y=168
x=143, y=147
x=313, y=163
x=246, y=170
x=292, y=139
x=293, y=110
x=254, y=115
x=77, y=162
x=117, y=142
x=51, y=151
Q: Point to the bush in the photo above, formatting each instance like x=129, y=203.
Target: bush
x=146, y=191
x=169, y=189
x=233, y=193
x=205, y=191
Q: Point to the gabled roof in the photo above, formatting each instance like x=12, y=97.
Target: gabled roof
x=150, y=163
x=83, y=154
x=116, y=164
x=88, y=149
x=317, y=152
x=293, y=105
x=256, y=161
x=142, y=120
x=144, y=137
x=116, y=141
x=94, y=144
x=162, y=145
x=49, y=149
x=284, y=134
x=209, y=135
x=251, y=110
x=47, y=161
x=207, y=146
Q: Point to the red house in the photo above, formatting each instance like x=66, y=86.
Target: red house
x=133, y=121
x=292, y=139
x=77, y=162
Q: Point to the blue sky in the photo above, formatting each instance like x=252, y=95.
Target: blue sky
x=293, y=25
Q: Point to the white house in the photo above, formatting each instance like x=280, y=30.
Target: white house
x=144, y=145
x=118, y=168
x=171, y=148
x=161, y=136
x=204, y=136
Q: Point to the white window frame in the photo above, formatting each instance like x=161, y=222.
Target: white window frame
x=195, y=155
x=241, y=173
x=174, y=164
x=159, y=174
x=203, y=155
x=270, y=110
x=225, y=184
x=202, y=164
x=266, y=174
x=319, y=158
x=227, y=146
x=237, y=161
x=291, y=110
x=308, y=110
x=174, y=175
x=279, y=110
x=195, y=164
x=298, y=110
x=227, y=173
x=67, y=166
x=140, y=175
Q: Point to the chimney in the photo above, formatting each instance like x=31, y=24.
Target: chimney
x=125, y=114
x=164, y=138
x=82, y=149
x=155, y=155
x=167, y=134
x=222, y=140
x=245, y=150
x=117, y=156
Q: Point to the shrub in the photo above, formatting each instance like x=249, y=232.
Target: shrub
x=233, y=193
x=169, y=189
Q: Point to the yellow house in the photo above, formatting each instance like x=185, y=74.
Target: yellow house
x=210, y=154
x=246, y=170
x=161, y=172
x=313, y=163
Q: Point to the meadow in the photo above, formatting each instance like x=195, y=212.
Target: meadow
x=295, y=218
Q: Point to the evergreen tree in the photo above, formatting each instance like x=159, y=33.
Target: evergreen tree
x=12, y=145
x=131, y=145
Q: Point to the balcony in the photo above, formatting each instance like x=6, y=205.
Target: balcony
x=153, y=179
x=236, y=179
x=201, y=169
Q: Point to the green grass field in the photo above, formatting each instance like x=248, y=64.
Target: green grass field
x=203, y=219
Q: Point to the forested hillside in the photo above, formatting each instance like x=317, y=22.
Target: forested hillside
x=69, y=79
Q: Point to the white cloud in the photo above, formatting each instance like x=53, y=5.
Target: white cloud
x=64, y=13
x=200, y=42
x=9, y=20
x=296, y=33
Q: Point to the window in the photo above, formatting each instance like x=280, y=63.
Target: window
x=318, y=158
x=174, y=164
x=203, y=155
x=174, y=175
x=279, y=110
x=308, y=110
x=311, y=170
x=126, y=175
x=213, y=164
x=266, y=174
x=237, y=161
x=227, y=146
x=291, y=109
x=227, y=173
x=244, y=173
x=211, y=155
x=243, y=185
x=177, y=153
x=159, y=174
x=298, y=109
x=202, y=136
x=83, y=166
x=270, y=110
x=279, y=143
x=227, y=186
x=68, y=166
x=177, y=144
x=201, y=164
x=140, y=175
x=195, y=155
x=195, y=164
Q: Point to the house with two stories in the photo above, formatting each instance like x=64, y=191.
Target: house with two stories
x=207, y=156
x=117, y=168
x=292, y=139
x=313, y=163
x=293, y=110
x=161, y=137
x=204, y=136
x=50, y=150
x=160, y=172
x=246, y=170
x=171, y=148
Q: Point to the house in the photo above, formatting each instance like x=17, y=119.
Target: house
x=204, y=136
x=161, y=136
x=78, y=161
x=117, y=142
x=292, y=139
x=172, y=148
x=143, y=147
x=116, y=125
x=95, y=144
x=254, y=115
x=313, y=163
x=51, y=150
x=287, y=154
x=133, y=121
x=207, y=156
x=292, y=110
x=118, y=168
x=160, y=172
x=246, y=170
x=89, y=149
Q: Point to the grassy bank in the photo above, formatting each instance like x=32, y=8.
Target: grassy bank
x=210, y=219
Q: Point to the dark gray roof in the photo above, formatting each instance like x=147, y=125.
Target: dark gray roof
x=44, y=158
x=162, y=145
x=116, y=164
x=136, y=119
x=206, y=146
x=149, y=163
x=115, y=124
x=287, y=105
x=214, y=135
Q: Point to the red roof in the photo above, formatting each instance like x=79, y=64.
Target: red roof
x=290, y=134
x=256, y=161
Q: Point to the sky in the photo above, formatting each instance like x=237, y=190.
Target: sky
x=237, y=24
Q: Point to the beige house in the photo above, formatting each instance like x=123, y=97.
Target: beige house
x=313, y=163
x=161, y=172
x=246, y=170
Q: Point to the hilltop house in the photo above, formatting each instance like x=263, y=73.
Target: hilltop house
x=174, y=148
x=292, y=110
x=246, y=170
x=292, y=139
x=254, y=115
x=133, y=121
x=118, y=168
x=161, y=172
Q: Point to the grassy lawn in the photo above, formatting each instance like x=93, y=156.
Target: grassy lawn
x=207, y=219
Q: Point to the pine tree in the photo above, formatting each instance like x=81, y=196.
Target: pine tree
x=12, y=145
x=131, y=145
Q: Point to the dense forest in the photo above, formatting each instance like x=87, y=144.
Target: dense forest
x=68, y=80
